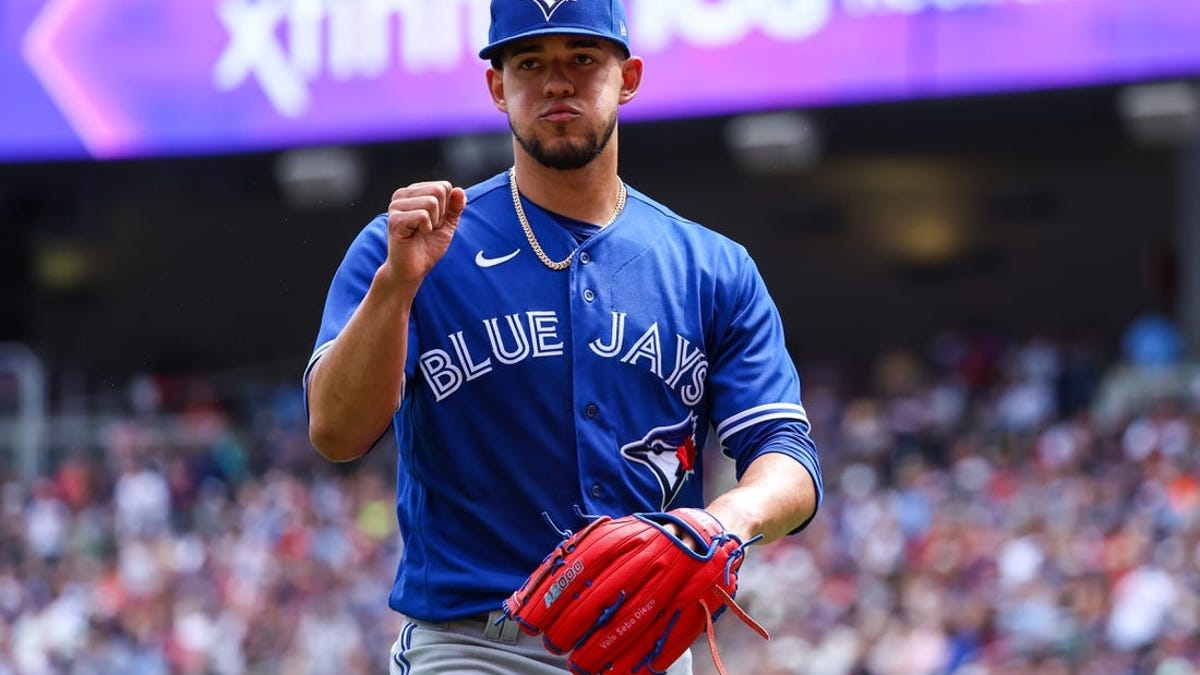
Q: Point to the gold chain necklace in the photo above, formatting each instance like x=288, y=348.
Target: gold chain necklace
x=533, y=242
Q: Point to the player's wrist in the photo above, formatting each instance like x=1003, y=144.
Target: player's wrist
x=736, y=521
x=394, y=286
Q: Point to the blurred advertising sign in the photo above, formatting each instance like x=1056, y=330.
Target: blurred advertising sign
x=131, y=78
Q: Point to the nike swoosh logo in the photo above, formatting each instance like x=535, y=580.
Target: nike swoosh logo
x=492, y=262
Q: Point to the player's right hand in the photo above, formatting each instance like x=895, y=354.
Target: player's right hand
x=422, y=219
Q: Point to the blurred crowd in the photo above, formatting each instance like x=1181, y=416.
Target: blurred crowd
x=198, y=537
x=993, y=505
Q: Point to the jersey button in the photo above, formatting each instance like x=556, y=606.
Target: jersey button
x=584, y=258
x=597, y=490
x=588, y=295
x=591, y=411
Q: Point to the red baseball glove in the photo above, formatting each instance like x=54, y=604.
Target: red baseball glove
x=626, y=595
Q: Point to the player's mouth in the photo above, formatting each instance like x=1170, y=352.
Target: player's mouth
x=560, y=113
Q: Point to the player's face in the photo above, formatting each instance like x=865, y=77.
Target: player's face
x=561, y=94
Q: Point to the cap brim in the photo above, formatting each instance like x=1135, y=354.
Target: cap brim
x=493, y=50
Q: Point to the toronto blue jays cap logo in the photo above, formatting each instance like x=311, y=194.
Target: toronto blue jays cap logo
x=514, y=20
x=548, y=6
x=670, y=454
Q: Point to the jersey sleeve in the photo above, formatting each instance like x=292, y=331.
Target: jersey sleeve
x=754, y=386
x=349, y=286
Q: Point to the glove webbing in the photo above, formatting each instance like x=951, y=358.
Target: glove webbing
x=728, y=601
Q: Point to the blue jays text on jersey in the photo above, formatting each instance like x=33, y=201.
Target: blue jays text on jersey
x=535, y=335
x=531, y=391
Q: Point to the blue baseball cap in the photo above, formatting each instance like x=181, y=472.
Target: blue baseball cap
x=514, y=20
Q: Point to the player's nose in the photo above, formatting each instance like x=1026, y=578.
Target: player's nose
x=558, y=83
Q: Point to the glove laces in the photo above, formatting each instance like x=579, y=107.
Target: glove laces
x=740, y=613
x=728, y=601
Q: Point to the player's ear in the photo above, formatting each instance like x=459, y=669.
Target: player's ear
x=631, y=78
x=495, y=82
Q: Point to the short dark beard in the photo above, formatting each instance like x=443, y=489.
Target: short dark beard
x=572, y=157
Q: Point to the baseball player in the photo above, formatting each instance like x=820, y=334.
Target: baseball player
x=546, y=347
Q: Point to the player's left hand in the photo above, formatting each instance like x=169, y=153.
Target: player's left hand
x=626, y=594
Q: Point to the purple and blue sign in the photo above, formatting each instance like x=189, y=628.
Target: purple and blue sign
x=132, y=78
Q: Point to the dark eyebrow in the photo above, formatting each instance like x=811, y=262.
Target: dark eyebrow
x=535, y=47
x=528, y=48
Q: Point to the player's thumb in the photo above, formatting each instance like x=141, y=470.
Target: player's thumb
x=455, y=203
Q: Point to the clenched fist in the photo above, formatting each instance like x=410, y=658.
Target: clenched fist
x=422, y=219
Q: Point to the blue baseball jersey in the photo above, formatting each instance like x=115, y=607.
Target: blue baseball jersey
x=530, y=391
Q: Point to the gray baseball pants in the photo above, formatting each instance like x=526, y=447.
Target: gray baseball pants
x=481, y=647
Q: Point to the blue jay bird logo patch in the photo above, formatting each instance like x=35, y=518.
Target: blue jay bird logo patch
x=548, y=6
x=670, y=454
